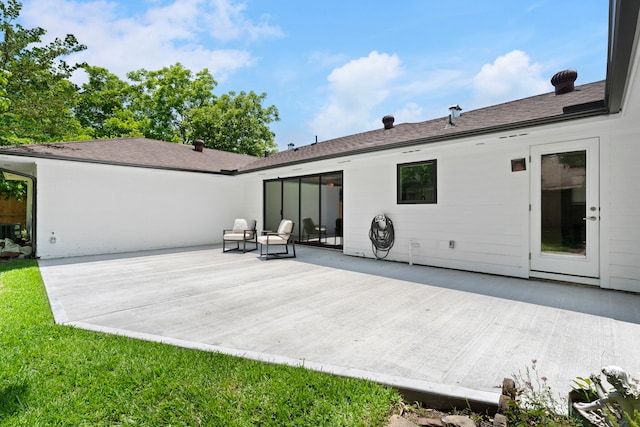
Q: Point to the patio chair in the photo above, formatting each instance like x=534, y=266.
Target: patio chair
x=311, y=229
x=243, y=231
x=282, y=237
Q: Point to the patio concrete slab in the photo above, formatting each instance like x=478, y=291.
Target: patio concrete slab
x=437, y=331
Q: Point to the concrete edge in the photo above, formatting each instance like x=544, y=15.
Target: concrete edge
x=438, y=396
x=55, y=302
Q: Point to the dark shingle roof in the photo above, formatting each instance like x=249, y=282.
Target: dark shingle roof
x=143, y=152
x=524, y=112
x=136, y=152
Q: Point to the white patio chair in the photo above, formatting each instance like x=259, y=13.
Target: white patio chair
x=243, y=231
x=282, y=237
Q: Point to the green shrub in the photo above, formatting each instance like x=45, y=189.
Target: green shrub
x=536, y=404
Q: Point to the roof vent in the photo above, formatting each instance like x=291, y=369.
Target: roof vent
x=388, y=121
x=563, y=81
x=198, y=145
x=454, y=113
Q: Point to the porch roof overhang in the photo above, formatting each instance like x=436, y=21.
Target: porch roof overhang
x=623, y=28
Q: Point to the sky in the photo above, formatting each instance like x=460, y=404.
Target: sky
x=336, y=67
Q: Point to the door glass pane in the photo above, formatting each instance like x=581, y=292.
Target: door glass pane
x=272, y=204
x=310, y=209
x=331, y=206
x=563, y=203
x=291, y=202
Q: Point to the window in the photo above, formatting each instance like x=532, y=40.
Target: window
x=417, y=182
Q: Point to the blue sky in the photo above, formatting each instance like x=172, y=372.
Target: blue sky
x=335, y=68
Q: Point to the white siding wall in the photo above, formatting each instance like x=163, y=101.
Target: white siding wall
x=621, y=212
x=621, y=191
x=482, y=206
x=95, y=208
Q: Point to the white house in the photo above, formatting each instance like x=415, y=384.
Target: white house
x=543, y=187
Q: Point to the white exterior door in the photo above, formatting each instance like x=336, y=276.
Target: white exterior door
x=565, y=208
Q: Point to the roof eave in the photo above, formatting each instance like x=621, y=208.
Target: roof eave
x=623, y=23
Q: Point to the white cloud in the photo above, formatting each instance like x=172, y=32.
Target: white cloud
x=510, y=77
x=160, y=36
x=227, y=22
x=410, y=113
x=354, y=90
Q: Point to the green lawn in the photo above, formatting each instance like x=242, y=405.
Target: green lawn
x=59, y=375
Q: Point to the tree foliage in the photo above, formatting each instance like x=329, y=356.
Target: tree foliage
x=39, y=103
x=100, y=104
x=165, y=96
x=38, y=94
x=173, y=104
x=237, y=123
x=12, y=189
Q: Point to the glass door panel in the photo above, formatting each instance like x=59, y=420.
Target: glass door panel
x=291, y=203
x=272, y=204
x=563, y=203
x=312, y=228
x=331, y=205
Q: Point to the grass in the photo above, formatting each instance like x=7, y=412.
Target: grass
x=53, y=375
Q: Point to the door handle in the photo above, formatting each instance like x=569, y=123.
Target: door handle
x=590, y=218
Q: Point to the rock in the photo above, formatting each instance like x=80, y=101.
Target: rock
x=499, y=421
x=504, y=402
x=398, y=421
x=509, y=388
x=458, y=421
x=430, y=422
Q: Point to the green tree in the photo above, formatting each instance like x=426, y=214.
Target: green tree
x=101, y=105
x=38, y=102
x=5, y=102
x=237, y=123
x=123, y=123
x=39, y=95
x=163, y=98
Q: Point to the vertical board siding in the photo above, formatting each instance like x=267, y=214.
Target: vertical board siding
x=624, y=213
x=481, y=205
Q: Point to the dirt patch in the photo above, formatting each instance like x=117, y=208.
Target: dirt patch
x=428, y=417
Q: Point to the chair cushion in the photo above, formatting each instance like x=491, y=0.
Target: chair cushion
x=238, y=236
x=285, y=227
x=272, y=240
x=240, y=224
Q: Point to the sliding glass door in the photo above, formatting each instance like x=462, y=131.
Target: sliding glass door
x=313, y=202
